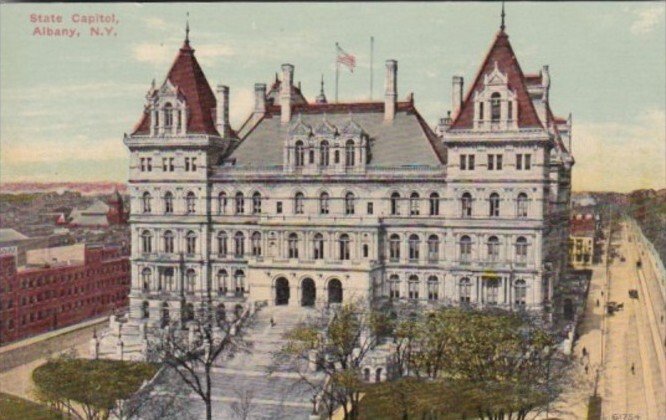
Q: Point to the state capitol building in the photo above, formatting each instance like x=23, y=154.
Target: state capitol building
x=310, y=203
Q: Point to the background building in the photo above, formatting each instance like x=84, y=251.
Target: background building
x=60, y=286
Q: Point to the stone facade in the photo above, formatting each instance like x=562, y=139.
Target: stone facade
x=317, y=203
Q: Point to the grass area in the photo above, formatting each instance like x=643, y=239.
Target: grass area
x=15, y=408
x=17, y=198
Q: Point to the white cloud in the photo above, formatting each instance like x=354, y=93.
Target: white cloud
x=621, y=156
x=163, y=54
x=647, y=19
x=43, y=93
x=155, y=23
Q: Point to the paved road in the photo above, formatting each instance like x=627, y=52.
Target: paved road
x=632, y=375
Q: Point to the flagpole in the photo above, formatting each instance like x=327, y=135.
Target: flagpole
x=372, y=50
x=337, y=71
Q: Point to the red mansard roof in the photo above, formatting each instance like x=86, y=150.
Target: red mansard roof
x=502, y=54
x=189, y=78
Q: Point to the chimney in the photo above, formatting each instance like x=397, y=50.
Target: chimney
x=260, y=98
x=391, y=94
x=545, y=82
x=457, y=95
x=222, y=111
x=285, y=92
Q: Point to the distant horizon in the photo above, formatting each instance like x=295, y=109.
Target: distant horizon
x=125, y=184
x=73, y=98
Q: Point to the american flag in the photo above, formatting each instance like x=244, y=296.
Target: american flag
x=345, y=59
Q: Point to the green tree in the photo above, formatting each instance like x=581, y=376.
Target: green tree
x=89, y=389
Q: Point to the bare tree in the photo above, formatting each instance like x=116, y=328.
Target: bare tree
x=243, y=408
x=191, y=353
x=337, y=349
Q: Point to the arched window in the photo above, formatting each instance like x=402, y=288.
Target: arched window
x=239, y=278
x=433, y=248
x=349, y=153
x=190, y=202
x=190, y=280
x=520, y=293
x=323, y=203
x=239, y=244
x=494, y=202
x=299, y=154
x=434, y=204
x=298, y=203
x=222, y=285
x=168, y=242
x=414, y=245
x=394, y=247
x=509, y=109
x=168, y=202
x=492, y=286
x=413, y=287
x=366, y=250
x=349, y=203
x=366, y=375
x=146, y=242
x=521, y=249
x=167, y=278
x=433, y=288
x=324, y=156
x=222, y=203
x=466, y=204
x=465, y=290
x=395, y=203
x=336, y=156
x=414, y=204
x=168, y=115
x=222, y=244
x=318, y=246
x=493, y=248
x=256, y=203
x=240, y=203
x=465, y=248
x=394, y=286
x=344, y=246
x=256, y=244
x=146, y=199
x=292, y=245
x=191, y=243
x=521, y=205
x=146, y=279
x=495, y=107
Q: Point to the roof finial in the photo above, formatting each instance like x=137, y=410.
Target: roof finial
x=322, y=84
x=187, y=29
x=502, y=26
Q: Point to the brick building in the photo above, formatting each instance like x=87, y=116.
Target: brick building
x=60, y=287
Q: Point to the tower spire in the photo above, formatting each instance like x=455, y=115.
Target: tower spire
x=503, y=26
x=187, y=29
x=321, y=99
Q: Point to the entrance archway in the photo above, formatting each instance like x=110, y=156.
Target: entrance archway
x=282, y=291
x=334, y=291
x=308, y=292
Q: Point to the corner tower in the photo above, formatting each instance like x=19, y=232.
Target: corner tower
x=183, y=133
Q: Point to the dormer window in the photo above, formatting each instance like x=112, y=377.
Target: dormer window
x=324, y=153
x=495, y=107
x=349, y=153
x=168, y=115
x=299, y=161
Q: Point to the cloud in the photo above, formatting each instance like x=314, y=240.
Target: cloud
x=43, y=93
x=163, y=54
x=155, y=23
x=647, y=19
x=607, y=154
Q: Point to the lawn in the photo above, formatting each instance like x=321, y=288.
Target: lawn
x=15, y=408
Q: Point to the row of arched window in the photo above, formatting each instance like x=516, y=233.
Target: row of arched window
x=164, y=281
x=493, y=249
x=464, y=290
x=466, y=205
x=168, y=242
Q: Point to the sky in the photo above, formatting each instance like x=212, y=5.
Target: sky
x=66, y=102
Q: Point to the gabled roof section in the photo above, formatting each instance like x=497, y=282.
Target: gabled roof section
x=502, y=54
x=188, y=77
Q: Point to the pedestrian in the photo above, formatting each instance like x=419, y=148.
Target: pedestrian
x=633, y=369
x=602, y=293
x=587, y=369
x=597, y=303
x=272, y=322
x=584, y=352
